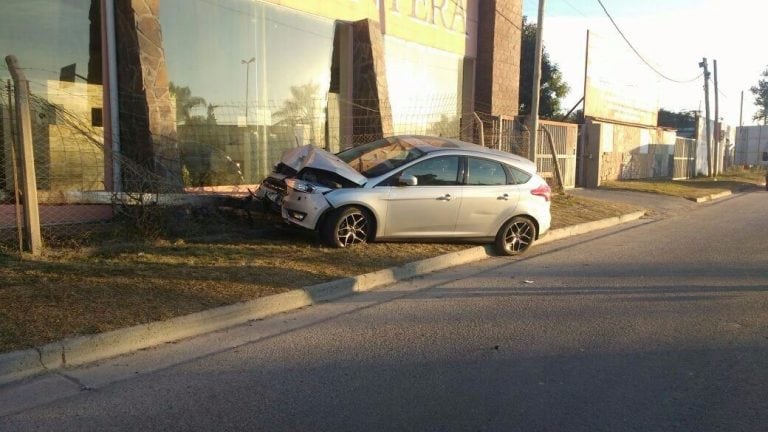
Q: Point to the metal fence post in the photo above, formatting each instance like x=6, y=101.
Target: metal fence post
x=481, y=127
x=29, y=180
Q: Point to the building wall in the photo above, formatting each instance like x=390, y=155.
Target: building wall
x=751, y=144
x=147, y=117
x=449, y=25
x=167, y=49
x=624, y=152
x=498, y=57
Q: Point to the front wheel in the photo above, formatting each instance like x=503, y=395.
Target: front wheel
x=346, y=227
x=515, y=236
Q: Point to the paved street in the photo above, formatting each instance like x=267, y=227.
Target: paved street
x=656, y=325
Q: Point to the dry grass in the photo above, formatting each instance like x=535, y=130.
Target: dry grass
x=90, y=289
x=733, y=180
x=96, y=290
x=570, y=210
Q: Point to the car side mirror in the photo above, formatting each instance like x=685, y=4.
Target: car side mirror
x=407, y=180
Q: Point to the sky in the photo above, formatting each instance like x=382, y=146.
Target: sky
x=674, y=36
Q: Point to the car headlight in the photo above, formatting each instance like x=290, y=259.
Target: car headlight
x=300, y=186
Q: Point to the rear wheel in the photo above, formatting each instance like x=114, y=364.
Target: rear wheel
x=515, y=236
x=346, y=227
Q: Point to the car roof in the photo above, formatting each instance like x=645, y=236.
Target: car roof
x=429, y=144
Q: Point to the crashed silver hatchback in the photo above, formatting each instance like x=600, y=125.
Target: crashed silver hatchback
x=411, y=187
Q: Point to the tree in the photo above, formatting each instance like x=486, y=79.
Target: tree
x=575, y=117
x=760, y=91
x=678, y=120
x=185, y=102
x=301, y=109
x=553, y=87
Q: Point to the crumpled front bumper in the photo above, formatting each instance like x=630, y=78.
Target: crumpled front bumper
x=271, y=192
x=304, y=209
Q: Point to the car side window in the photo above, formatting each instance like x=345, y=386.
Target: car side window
x=484, y=172
x=439, y=171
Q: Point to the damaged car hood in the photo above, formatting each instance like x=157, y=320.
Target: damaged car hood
x=317, y=158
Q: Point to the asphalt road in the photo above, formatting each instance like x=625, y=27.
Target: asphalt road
x=657, y=325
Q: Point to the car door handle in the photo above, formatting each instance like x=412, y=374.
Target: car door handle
x=504, y=197
x=446, y=197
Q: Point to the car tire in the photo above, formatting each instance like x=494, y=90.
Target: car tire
x=346, y=227
x=515, y=236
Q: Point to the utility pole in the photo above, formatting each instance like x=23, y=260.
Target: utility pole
x=703, y=64
x=741, y=109
x=716, y=170
x=535, y=93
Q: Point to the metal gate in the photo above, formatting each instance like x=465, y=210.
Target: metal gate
x=685, y=159
x=564, y=138
x=511, y=135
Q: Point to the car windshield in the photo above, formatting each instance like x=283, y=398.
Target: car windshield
x=379, y=157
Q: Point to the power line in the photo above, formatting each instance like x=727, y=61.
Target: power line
x=638, y=53
x=574, y=8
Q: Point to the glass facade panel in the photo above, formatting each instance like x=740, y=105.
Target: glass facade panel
x=249, y=81
x=424, y=89
x=58, y=45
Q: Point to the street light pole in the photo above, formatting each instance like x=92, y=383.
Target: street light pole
x=247, y=64
x=535, y=93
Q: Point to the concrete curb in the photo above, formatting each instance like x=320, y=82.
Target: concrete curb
x=85, y=349
x=584, y=228
x=711, y=197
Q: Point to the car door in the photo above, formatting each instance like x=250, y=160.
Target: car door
x=488, y=198
x=430, y=208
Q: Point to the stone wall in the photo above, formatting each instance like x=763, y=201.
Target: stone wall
x=372, y=112
x=147, y=115
x=498, y=57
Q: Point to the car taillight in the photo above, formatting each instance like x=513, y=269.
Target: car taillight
x=543, y=191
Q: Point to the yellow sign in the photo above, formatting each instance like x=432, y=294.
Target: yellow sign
x=439, y=24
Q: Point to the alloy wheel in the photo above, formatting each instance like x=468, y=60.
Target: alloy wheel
x=518, y=236
x=353, y=229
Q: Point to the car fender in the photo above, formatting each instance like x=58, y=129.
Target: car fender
x=372, y=199
x=541, y=217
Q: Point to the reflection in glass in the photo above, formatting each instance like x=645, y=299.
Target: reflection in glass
x=250, y=80
x=424, y=88
x=58, y=45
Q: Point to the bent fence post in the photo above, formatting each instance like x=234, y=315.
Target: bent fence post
x=480, y=128
x=555, y=162
x=34, y=241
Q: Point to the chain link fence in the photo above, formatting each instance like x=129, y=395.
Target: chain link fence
x=185, y=147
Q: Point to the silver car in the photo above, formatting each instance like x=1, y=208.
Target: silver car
x=411, y=187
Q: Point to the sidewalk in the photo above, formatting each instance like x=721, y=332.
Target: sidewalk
x=656, y=205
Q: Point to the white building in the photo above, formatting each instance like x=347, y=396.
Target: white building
x=751, y=145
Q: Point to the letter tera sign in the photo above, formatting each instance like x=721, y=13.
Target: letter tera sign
x=448, y=14
x=439, y=24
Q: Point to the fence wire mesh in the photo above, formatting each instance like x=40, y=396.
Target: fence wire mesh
x=183, y=146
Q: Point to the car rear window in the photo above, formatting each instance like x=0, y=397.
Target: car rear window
x=518, y=176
